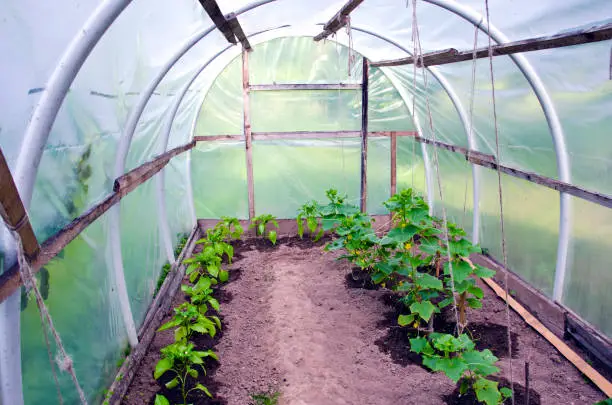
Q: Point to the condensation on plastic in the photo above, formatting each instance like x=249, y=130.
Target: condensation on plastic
x=71, y=179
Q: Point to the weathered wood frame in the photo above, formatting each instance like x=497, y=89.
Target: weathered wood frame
x=297, y=135
x=451, y=55
x=10, y=280
x=364, y=136
x=248, y=139
x=338, y=20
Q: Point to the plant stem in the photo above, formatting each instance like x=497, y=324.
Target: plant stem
x=461, y=305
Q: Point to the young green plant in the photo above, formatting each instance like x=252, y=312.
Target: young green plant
x=261, y=223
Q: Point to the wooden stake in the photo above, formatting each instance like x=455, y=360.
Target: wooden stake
x=13, y=212
x=393, y=164
x=247, y=132
x=604, y=385
x=364, y=136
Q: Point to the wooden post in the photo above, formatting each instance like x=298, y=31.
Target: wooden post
x=364, y=136
x=393, y=164
x=13, y=212
x=248, y=142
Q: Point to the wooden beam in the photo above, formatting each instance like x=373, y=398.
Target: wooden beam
x=393, y=150
x=583, y=36
x=364, y=137
x=248, y=141
x=10, y=280
x=288, y=86
x=296, y=135
x=215, y=14
x=338, y=20
x=490, y=162
x=232, y=20
x=602, y=383
x=13, y=212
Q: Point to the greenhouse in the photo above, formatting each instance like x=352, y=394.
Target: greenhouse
x=305, y=202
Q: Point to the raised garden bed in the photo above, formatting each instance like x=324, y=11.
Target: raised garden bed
x=293, y=324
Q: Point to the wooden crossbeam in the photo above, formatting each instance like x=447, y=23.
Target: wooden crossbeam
x=338, y=20
x=10, y=280
x=297, y=135
x=214, y=12
x=305, y=86
x=13, y=212
x=577, y=37
x=232, y=19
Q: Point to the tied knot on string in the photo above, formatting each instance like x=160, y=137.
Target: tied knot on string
x=64, y=362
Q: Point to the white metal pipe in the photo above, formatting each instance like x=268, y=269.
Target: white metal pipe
x=465, y=120
x=554, y=125
x=32, y=146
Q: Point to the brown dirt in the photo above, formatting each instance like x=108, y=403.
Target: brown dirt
x=291, y=324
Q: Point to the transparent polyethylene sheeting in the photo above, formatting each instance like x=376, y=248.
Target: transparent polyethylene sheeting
x=76, y=169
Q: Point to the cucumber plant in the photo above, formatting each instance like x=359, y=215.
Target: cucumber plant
x=183, y=361
x=261, y=222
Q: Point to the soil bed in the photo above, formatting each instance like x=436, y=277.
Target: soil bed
x=294, y=323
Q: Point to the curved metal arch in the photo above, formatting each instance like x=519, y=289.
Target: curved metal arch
x=554, y=125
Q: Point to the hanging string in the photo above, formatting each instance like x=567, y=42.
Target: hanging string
x=351, y=52
x=501, y=201
x=64, y=361
x=419, y=59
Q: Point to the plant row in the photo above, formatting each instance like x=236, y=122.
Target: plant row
x=197, y=315
x=428, y=266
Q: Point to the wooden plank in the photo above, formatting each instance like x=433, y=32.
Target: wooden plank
x=588, y=337
x=304, y=86
x=232, y=20
x=393, y=151
x=577, y=37
x=602, y=383
x=155, y=314
x=248, y=140
x=338, y=20
x=296, y=135
x=215, y=14
x=592, y=196
x=364, y=137
x=13, y=212
x=10, y=280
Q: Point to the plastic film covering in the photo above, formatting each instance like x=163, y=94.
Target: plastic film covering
x=289, y=173
x=76, y=167
x=85, y=313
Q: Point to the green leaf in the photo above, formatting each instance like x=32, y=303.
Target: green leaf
x=425, y=280
x=425, y=309
x=419, y=345
x=193, y=276
x=312, y=224
x=193, y=372
x=461, y=270
x=217, y=321
x=172, y=383
x=203, y=328
x=506, y=392
x=474, y=303
x=208, y=353
x=480, y=362
x=402, y=235
x=272, y=237
x=483, y=272
x=476, y=291
x=180, y=333
x=162, y=366
x=487, y=392
x=214, y=303
x=431, y=246
x=300, y=225
x=195, y=359
x=378, y=277
x=223, y=276
x=453, y=367
x=204, y=389
x=261, y=228
x=319, y=235
x=404, y=320
x=445, y=302
x=161, y=400
x=170, y=324
x=191, y=268
x=329, y=223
